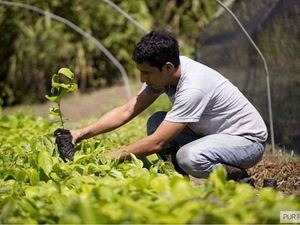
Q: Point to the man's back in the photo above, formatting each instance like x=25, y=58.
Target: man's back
x=210, y=104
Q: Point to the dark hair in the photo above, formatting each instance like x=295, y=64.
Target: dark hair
x=157, y=48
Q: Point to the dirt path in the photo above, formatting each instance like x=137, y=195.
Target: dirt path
x=79, y=106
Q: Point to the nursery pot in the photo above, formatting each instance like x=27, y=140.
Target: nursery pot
x=64, y=144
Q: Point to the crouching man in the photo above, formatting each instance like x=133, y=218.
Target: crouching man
x=210, y=124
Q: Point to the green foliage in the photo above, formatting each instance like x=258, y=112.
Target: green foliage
x=36, y=186
x=61, y=85
x=184, y=18
x=32, y=46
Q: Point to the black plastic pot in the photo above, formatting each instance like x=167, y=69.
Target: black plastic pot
x=64, y=144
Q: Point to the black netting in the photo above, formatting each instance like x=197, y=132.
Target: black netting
x=274, y=26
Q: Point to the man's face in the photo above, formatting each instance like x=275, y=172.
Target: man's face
x=152, y=76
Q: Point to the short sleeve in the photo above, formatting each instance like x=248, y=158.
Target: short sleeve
x=188, y=106
x=151, y=91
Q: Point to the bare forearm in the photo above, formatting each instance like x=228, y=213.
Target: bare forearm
x=151, y=144
x=109, y=121
x=115, y=118
x=140, y=149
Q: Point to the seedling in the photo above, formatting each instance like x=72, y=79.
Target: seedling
x=61, y=85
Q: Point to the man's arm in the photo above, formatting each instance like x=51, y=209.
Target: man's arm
x=151, y=144
x=116, y=117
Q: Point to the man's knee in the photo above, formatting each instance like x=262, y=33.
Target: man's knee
x=194, y=163
x=154, y=121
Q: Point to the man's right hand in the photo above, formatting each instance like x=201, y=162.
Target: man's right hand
x=76, y=135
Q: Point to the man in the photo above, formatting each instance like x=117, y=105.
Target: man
x=210, y=124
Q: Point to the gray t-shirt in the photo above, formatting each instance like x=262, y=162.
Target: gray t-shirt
x=211, y=104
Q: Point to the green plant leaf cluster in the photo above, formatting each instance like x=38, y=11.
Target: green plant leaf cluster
x=61, y=85
x=36, y=186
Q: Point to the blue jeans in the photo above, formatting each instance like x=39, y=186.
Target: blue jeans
x=197, y=155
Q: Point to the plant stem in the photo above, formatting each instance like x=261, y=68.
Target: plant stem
x=60, y=116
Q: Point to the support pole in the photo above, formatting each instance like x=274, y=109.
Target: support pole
x=129, y=18
x=266, y=71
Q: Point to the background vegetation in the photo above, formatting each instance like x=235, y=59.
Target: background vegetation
x=32, y=46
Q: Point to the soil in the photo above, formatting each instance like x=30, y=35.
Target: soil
x=284, y=168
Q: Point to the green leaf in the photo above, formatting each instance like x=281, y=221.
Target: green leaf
x=55, y=79
x=136, y=161
x=45, y=161
x=20, y=175
x=6, y=189
x=66, y=88
x=67, y=73
x=62, y=86
x=54, y=111
x=52, y=98
x=73, y=87
x=33, y=176
x=28, y=206
x=8, y=209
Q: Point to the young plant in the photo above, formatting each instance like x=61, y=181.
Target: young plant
x=61, y=85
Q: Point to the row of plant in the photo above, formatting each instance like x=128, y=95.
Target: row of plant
x=37, y=186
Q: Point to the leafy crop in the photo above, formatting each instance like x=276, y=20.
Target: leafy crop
x=36, y=186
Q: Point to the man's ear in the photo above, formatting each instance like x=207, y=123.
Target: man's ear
x=169, y=66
